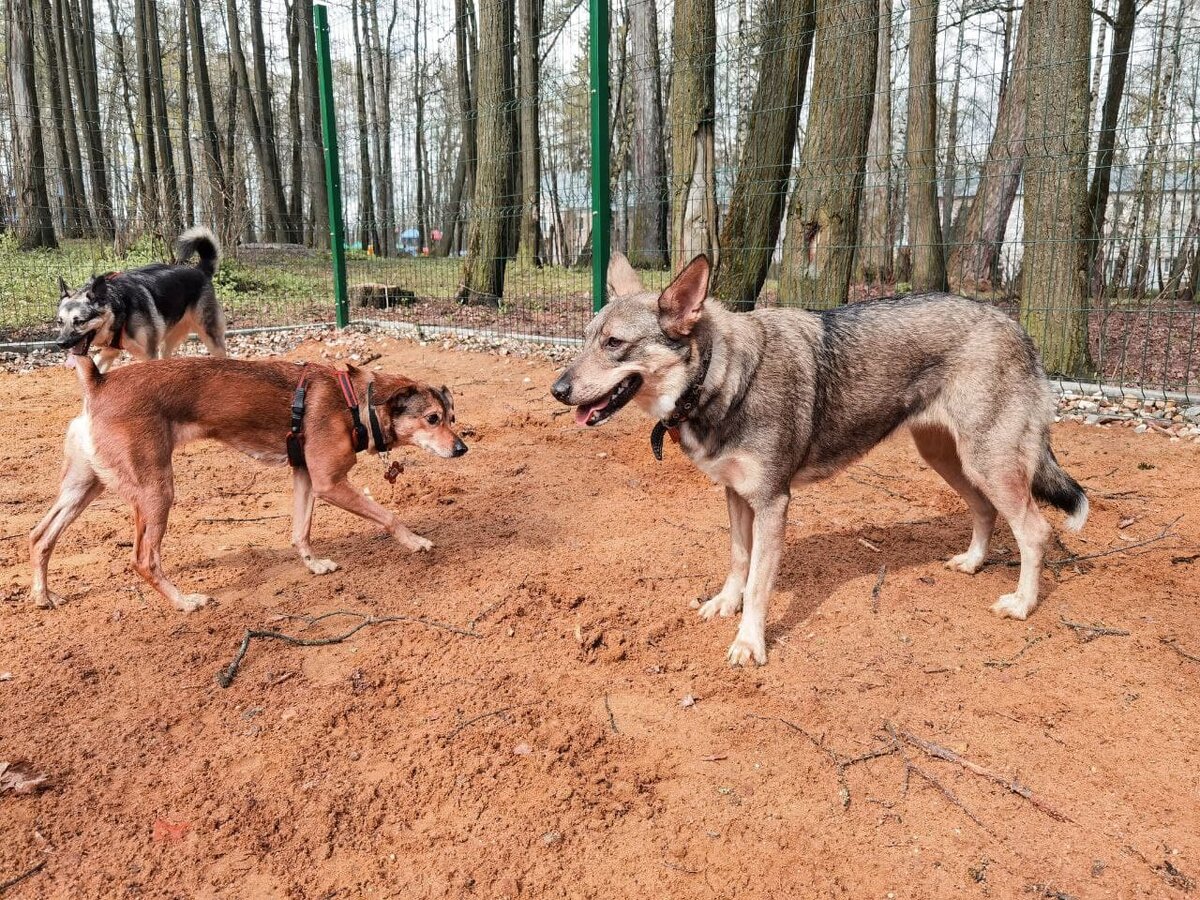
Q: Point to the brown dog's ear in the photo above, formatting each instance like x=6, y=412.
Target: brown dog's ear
x=447, y=401
x=623, y=281
x=63, y=289
x=682, y=303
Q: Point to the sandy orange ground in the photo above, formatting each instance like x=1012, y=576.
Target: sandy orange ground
x=554, y=755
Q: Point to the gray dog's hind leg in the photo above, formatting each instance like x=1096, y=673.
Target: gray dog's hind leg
x=936, y=446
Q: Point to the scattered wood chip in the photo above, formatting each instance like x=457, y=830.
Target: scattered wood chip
x=1125, y=523
x=522, y=749
x=716, y=757
x=872, y=547
x=687, y=701
x=6, y=676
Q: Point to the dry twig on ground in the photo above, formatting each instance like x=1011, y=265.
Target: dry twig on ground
x=225, y=676
x=1170, y=642
x=1086, y=633
x=937, y=751
x=5, y=886
x=877, y=588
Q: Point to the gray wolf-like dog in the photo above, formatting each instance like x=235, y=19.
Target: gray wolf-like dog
x=148, y=311
x=767, y=401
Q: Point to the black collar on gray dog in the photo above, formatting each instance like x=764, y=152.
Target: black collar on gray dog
x=687, y=403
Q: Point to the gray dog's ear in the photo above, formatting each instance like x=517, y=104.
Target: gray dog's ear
x=64, y=289
x=682, y=303
x=623, y=281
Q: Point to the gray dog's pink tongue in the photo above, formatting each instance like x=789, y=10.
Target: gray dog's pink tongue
x=583, y=413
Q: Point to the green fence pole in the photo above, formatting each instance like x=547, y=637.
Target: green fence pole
x=601, y=201
x=333, y=178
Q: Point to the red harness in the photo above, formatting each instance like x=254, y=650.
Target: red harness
x=295, y=436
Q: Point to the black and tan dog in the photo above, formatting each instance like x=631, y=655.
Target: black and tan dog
x=774, y=399
x=134, y=417
x=148, y=311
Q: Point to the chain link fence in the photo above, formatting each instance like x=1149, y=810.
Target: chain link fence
x=1039, y=156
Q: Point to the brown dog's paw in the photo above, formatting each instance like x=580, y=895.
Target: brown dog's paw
x=416, y=543
x=320, y=566
x=46, y=599
x=192, y=602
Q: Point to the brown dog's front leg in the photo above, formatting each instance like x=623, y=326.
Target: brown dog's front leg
x=344, y=494
x=151, y=508
x=302, y=512
x=770, y=524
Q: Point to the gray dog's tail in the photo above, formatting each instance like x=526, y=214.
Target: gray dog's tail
x=1051, y=484
x=201, y=241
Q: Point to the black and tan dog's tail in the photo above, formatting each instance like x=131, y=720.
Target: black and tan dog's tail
x=1051, y=484
x=202, y=242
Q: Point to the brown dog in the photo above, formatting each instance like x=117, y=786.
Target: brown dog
x=134, y=417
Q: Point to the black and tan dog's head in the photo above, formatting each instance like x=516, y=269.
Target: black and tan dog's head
x=637, y=347
x=84, y=314
x=418, y=415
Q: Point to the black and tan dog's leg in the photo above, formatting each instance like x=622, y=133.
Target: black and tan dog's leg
x=342, y=493
x=302, y=513
x=80, y=486
x=741, y=525
x=770, y=524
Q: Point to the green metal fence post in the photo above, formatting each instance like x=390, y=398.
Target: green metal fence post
x=333, y=178
x=601, y=201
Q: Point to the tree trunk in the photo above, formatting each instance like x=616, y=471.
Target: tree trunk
x=419, y=148
x=368, y=228
x=162, y=132
x=1151, y=184
x=951, y=162
x=875, y=248
x=822, y=227
x=220, y=198
x=1118, y=69
x=483, y=270
x=530, y=231
x=185, y=118
x=139, y=183
x=751, y=227
x=924, y=226
x=295, y=130
x=974, y=261
x=152, y=199
x=261, y=139
x=647, y=243
x=35, y=220
x=466, y=71
x=1054, y=279
x=692, y=108
x=262, y=98
x=314, y=142
x=82, y=55
x=76, y=221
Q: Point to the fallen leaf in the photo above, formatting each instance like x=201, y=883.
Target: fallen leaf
x=18, y=779
x=1125, y=523
x=687, y=701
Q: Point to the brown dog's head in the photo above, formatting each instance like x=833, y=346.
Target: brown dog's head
x=419, y=415
x=637, y=347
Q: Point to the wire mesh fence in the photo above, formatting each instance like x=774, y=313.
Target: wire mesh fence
x=1039, y=156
